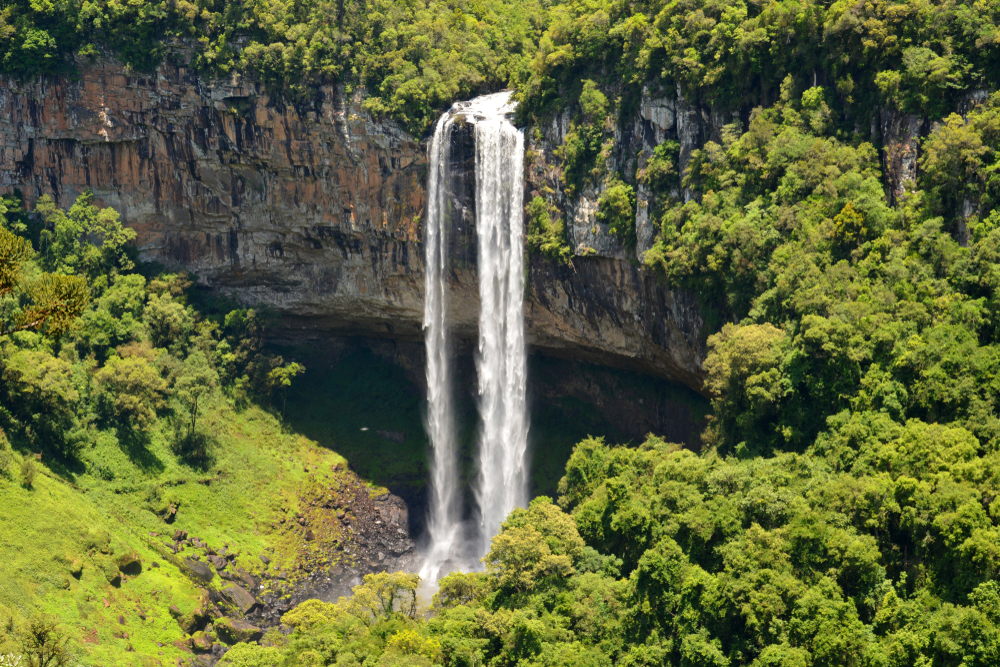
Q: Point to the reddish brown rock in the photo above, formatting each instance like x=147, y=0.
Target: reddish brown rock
x=312, y=208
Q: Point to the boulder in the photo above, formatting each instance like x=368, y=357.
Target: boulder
x=246, y=578
x=191, y=622
x=219, y=562
x=201, y=642
x=198, y=570
x=240, y=597
x=180, y=535
x=233, y=631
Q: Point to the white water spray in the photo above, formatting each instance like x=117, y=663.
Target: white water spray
x=501, y=360
x=445, y=521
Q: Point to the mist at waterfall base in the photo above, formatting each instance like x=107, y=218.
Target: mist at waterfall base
x=501, y=362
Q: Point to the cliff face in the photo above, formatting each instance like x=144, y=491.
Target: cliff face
x=313, y=209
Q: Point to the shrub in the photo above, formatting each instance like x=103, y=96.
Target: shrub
x=42, y=643
x=616, y=209
x=544, y=235
x=251, y=655
x=28, y=471
x=131, y=390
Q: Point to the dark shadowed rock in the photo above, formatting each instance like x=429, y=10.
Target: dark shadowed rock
x=193, y=621
x=129, y=563
x=233, y=631
x=239, y=596
x=198, y=570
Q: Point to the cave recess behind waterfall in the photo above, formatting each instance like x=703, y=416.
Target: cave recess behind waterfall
x=365, y=399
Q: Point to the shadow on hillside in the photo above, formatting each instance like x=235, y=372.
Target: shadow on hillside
x=365, y=408
x=135, y=445
x=65, y=466
x=195, y=450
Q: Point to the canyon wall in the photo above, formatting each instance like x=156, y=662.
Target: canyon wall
x=312, y=208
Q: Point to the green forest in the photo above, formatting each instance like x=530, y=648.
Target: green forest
x=843, y=507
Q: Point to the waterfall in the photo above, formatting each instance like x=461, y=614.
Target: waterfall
x=444, y=521
x=501, y=360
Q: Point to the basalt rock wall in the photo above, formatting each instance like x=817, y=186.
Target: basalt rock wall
x=312, y=208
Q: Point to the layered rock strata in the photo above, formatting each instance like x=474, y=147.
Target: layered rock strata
x=312, y=208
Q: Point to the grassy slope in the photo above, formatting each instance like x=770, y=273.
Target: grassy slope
x=255, y=471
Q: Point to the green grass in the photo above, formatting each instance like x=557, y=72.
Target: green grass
x=48, y=531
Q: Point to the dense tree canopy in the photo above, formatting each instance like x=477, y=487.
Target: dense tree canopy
x=85, y=339
x=414, y=57
x=843, y=508
x=912, y=56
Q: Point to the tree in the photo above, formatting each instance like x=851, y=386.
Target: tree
x=14, y=252
x=616, y=209
x=86, y=240
x=28, y=471
x=41, y=398
x=169, y=322
x=42, y=643
x=55, y=303
x=280, y=378
x=545, y=235
x=535, y=547
x=50, y=302
x=252, y=655
x=383, y=595
x=195, y=379
x=131, y=389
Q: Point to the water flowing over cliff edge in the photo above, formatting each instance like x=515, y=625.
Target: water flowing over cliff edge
x=315, y=209
x=501, y=362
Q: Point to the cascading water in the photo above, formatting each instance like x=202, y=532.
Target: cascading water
x=501, y=359
x=502, y=362
x=444, y=525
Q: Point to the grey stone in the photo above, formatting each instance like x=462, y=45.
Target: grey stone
x=240, y=597
x=233, y=631
x=199, y=570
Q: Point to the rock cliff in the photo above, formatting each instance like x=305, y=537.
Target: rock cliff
x=313, y=208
